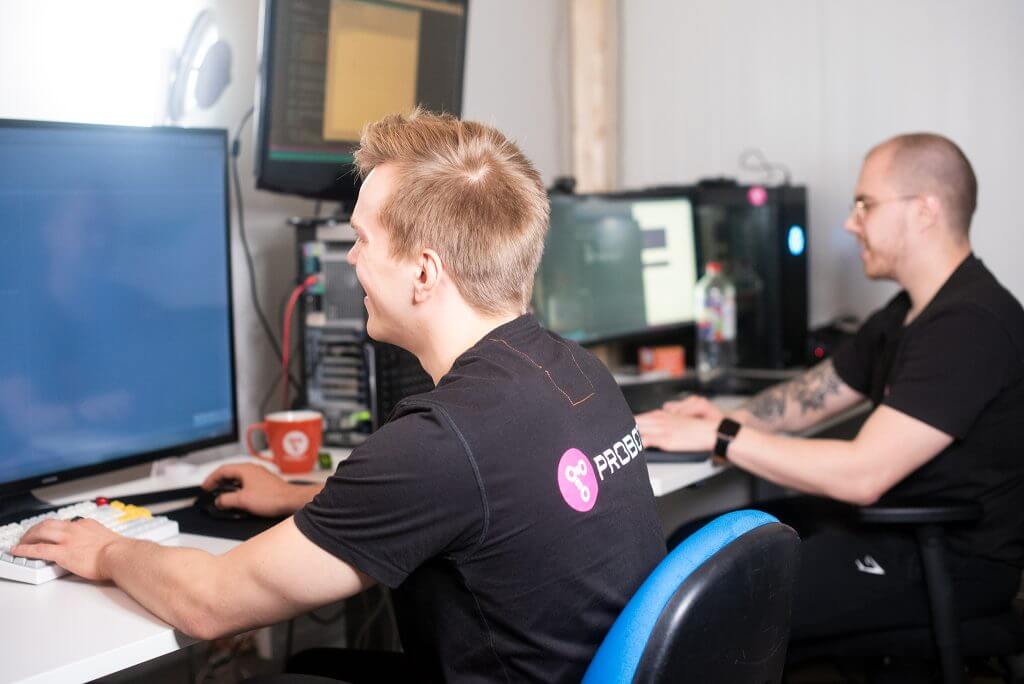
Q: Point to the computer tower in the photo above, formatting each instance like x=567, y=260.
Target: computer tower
x=394, y=375
x=353, y=380
x=759, y=234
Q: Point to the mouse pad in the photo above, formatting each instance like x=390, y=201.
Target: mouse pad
x=192, y=521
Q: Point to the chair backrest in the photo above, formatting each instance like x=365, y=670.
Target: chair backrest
x=716, y=609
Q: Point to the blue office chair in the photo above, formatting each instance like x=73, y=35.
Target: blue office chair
x=716, y=609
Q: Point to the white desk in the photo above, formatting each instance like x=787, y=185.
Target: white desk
x=71, y=630
x=669, y=477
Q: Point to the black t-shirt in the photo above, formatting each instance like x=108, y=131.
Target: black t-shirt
x=959, y=367
x=509, y=508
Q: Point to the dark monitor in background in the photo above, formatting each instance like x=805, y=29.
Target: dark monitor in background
x=330, y=66
x=116, y=339
x=616, y=266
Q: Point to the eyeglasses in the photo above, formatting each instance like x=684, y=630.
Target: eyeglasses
x=862, y=206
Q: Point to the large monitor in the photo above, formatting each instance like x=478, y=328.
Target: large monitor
x=330, y=66
x=116, y=339
x=616, y=266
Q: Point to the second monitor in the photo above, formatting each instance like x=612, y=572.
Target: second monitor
x=615, y=266
x=330, y=66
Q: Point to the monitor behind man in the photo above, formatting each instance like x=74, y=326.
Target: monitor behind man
x=617, y=265
x=331, y=66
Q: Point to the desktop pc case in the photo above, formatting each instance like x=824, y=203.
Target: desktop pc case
x=759, y=234
x=353, y=380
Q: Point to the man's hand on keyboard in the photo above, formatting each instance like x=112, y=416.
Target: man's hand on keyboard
x=694, y=407
x=74, y=545
x=262, y=492
x=671, y=431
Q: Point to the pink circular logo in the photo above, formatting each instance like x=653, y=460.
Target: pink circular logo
x=577, y=481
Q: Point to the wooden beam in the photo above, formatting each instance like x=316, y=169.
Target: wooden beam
x=595, y=93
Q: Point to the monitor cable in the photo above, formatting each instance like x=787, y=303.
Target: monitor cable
x=236, y=147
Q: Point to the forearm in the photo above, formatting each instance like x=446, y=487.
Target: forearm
x=745, y=416
x=178, y=585
x=778, y=409
x=798, y=404
x=788, y=422
x=822, y=467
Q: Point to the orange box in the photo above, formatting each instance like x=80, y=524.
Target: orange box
x=669, y=359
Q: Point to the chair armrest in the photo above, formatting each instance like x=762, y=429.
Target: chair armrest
x=920, y=513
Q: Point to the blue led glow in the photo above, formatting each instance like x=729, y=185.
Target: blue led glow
x=795, y=240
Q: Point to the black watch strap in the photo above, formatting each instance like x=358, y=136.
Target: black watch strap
x=727, y=431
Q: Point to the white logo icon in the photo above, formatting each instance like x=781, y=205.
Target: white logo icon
x=295, y=443
x=869, y=565
x=574, y=473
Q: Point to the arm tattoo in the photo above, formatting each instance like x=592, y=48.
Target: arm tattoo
x=810, y=390
x=813, y=388
x=769, y=405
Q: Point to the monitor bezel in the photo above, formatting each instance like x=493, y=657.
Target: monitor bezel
x=24, y=485
x=652, y=331
x=297, y=178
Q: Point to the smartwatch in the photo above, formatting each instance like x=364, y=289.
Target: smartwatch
x=727, y=431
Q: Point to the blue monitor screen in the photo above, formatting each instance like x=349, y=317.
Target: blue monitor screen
x=115, y=318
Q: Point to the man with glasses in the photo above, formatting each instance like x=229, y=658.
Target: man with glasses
x=943, y=366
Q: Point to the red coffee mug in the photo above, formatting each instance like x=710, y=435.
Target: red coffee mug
x=294, y=438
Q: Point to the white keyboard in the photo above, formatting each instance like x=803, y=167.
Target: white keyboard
x=125, y=519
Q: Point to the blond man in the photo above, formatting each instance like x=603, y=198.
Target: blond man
x=478, y=503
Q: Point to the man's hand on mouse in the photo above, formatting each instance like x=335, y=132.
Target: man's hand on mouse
x=261, y=493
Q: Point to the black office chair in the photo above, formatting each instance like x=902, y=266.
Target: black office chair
x=716, y=609
x=949, y=640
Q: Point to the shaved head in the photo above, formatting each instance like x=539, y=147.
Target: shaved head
x=927, y=163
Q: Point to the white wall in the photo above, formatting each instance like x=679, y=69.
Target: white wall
x=814, y=84
x=517, y=76
x=68, y=60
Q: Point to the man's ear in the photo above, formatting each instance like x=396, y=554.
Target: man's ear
x=928, y=211
x=431, y=268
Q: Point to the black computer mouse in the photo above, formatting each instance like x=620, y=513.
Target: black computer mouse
x=207, y=502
